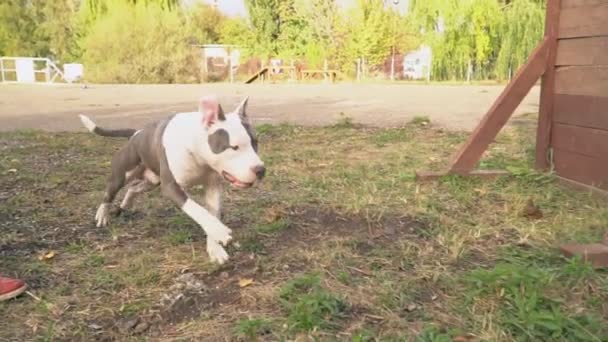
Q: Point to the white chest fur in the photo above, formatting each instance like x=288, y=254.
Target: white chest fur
x=180, y=139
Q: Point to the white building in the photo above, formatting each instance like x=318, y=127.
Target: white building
x=417, y=64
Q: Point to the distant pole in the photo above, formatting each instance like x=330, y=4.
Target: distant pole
x=393, y=64
x=2, y=68
x=395, y=2
x=363, y=70
x=230, y=65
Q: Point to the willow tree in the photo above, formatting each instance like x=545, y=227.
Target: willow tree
x=265, y=25
x=479, y=38
x=521, y=30
x=466, y=43
x=321, y=20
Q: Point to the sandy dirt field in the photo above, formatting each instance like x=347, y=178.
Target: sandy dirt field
x=54, y=107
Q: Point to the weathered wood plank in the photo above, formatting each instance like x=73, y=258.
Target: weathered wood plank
x=580, y=168
x=584, y=21
x=582, y=51
x=579, y=3
x=580, y=110
x=545, y=117
x=500, y=112
x=582, y=80
x=600, y=193
x=590, y=142
x=430, y=175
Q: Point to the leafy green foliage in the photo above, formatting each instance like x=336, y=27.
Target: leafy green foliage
x=252, y=328
x=309, y=306
x=527, y=310
x=482, y=38
x=139, y=41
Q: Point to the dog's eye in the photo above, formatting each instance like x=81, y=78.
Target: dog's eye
x=236, y=147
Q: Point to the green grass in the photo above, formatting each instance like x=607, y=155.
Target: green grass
x=527, y=310
x=308, y=306
x=273, y=227
x=179, y=237
x=339, y=241
x=250, y=329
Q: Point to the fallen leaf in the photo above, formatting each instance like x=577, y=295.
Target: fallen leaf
x=47, y=256
x=244, y=282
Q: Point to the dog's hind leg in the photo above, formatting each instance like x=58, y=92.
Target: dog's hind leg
x=125, y=160
x=137, y=187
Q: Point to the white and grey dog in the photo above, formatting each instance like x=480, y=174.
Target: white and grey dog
x=187, y=149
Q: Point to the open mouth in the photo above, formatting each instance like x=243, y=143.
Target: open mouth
x=232, y=180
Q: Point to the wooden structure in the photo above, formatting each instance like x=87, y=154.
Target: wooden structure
x=260, y=74
x=327, y=74
x=29, y=70
x=293, y=72
x=572, y=133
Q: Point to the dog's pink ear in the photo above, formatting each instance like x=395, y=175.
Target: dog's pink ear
x=211, y=109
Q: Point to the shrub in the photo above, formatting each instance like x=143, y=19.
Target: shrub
x=139, y=43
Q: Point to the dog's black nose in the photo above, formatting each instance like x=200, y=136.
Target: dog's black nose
x=260, y=171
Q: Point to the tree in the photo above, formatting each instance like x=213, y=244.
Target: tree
x=486, y=37
x=59, y=28
x=265, y=21
x=320, y=18
x=19, y=34
x=521, y=30
x=205, y=24
x=139, y=43
x=371, y=32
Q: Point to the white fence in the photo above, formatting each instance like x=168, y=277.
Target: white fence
x=28, y=70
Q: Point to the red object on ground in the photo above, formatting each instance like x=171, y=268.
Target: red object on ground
x=596, y=253
x=10, y=288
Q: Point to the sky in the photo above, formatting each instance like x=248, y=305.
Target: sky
x=237, y=7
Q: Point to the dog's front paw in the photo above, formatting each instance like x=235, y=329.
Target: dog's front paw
x=102, y=217
x=216, y=252
x=220, y=234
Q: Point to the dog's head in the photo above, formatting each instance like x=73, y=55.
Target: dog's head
x=232, y=144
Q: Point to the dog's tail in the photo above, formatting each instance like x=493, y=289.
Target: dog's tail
x=105, y=132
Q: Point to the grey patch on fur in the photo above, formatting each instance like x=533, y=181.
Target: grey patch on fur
x=219, y=141
x=251, y=133
x=144, y=149
x=114, y=133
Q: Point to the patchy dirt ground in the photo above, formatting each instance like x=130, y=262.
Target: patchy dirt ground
x=381, y=105
x=339, y=243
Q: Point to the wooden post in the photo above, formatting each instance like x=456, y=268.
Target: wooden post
x=2, y=68
x=47, y=71
x=545, y=116
x=465, y=160
x=358, y=69
x=230, y=65
x=363, y=67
